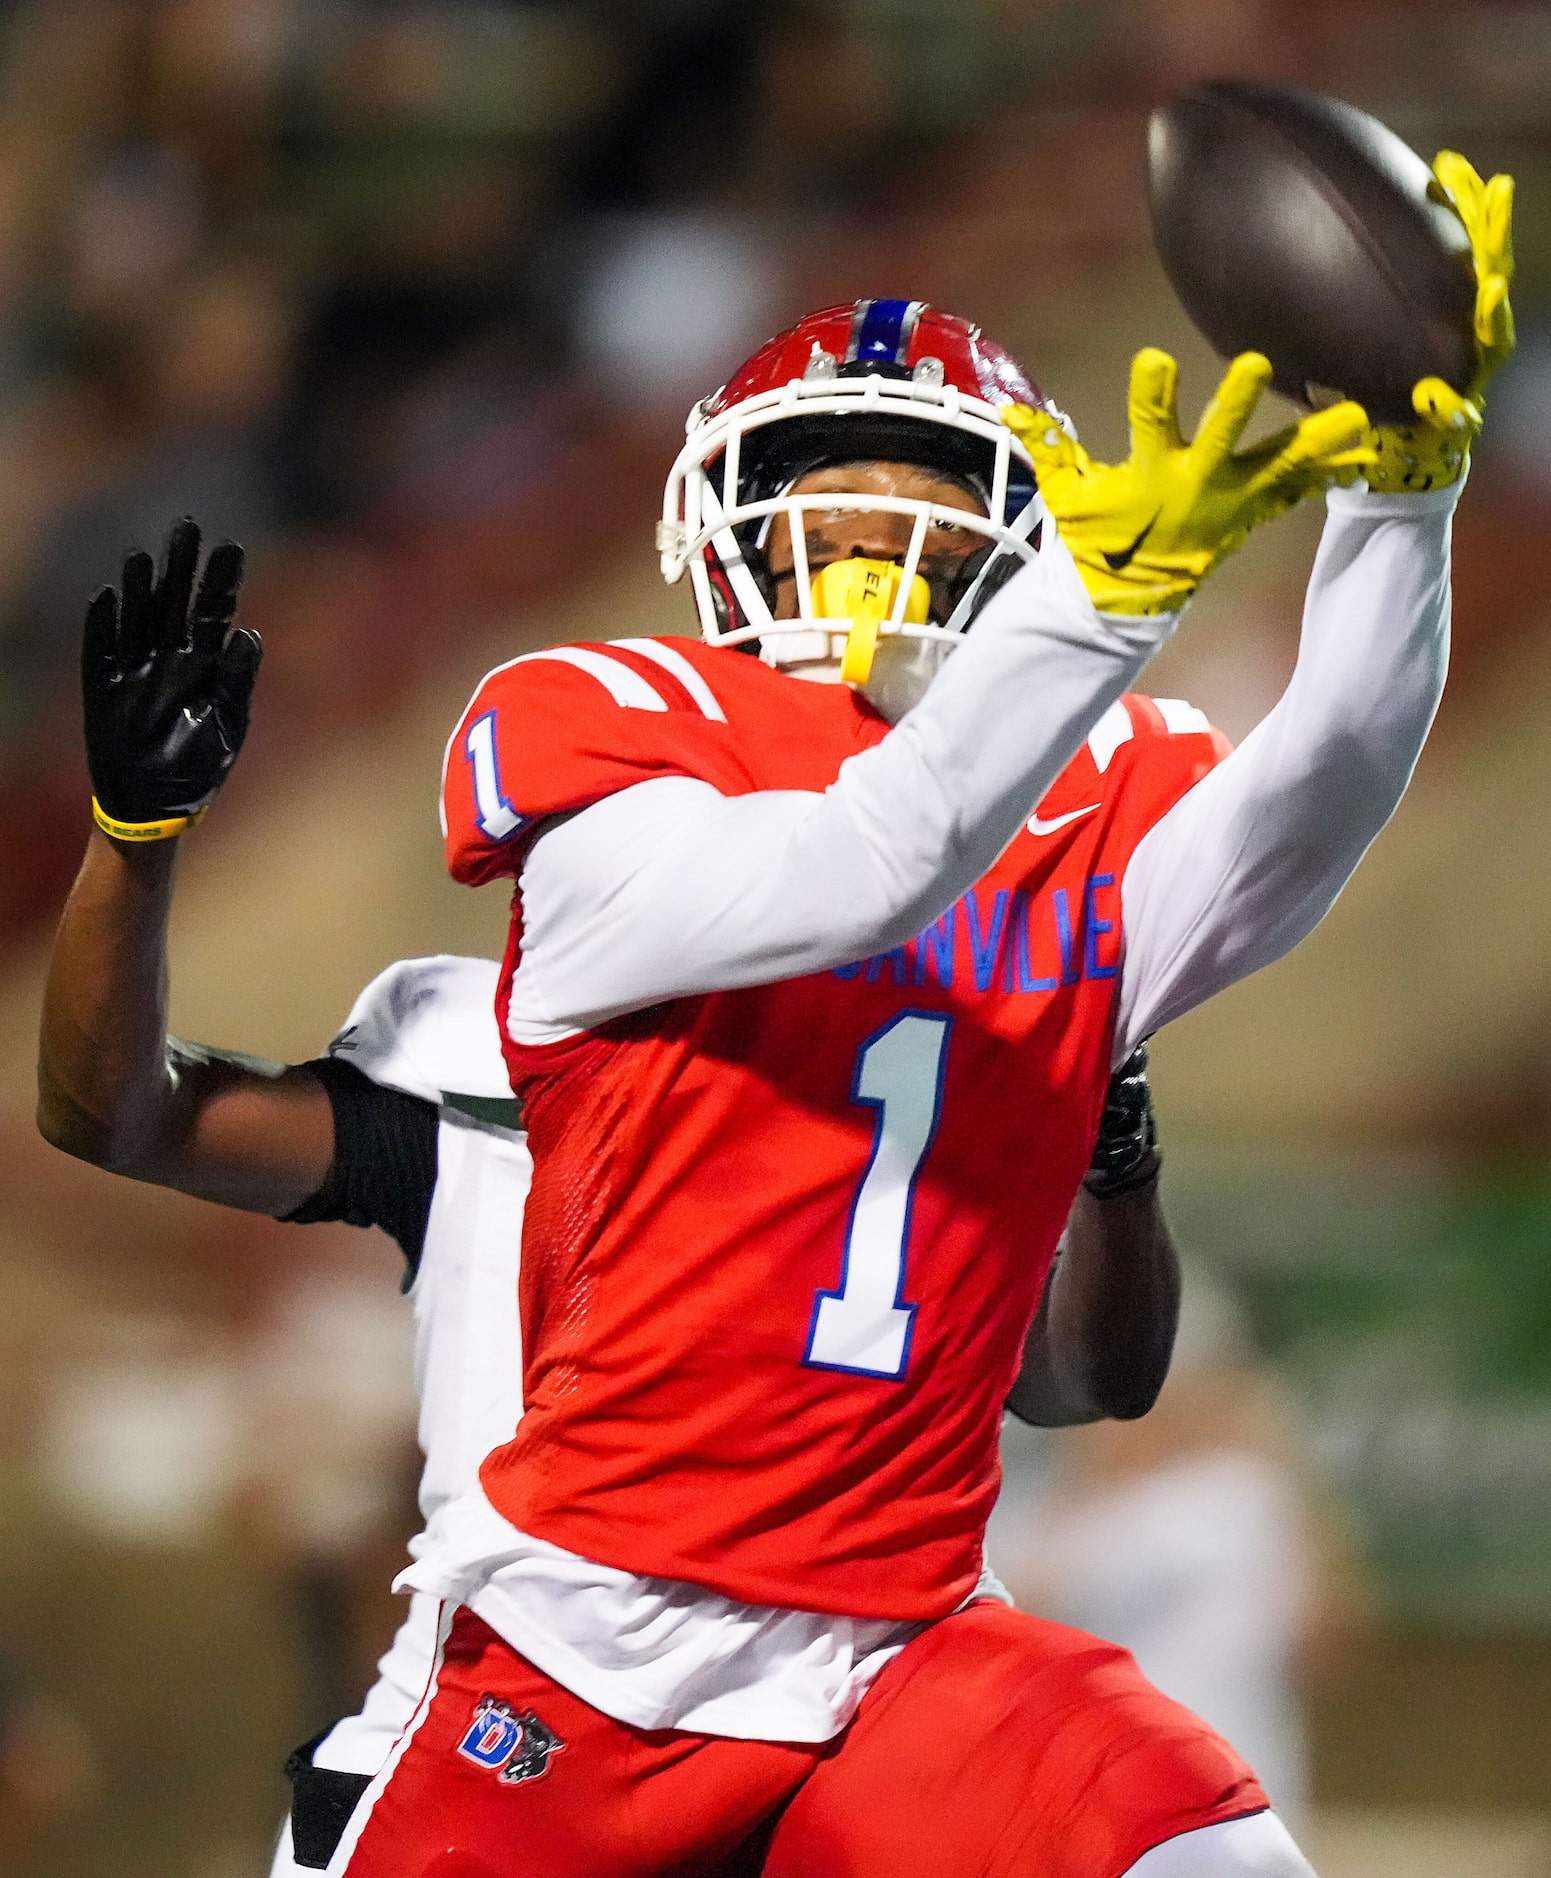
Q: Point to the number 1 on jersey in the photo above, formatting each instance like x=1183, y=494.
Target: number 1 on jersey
x=864, y=1327
x=494, y=813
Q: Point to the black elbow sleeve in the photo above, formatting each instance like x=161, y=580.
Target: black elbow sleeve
x=384, y=1167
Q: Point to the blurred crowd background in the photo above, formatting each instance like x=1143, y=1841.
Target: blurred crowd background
x=411, y=296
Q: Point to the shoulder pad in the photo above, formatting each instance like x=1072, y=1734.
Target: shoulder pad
x=427, y=1027
x=1165, y=739
x=1137, y=718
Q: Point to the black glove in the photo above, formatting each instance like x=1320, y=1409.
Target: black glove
x=166, y=682
x=1125, y=1156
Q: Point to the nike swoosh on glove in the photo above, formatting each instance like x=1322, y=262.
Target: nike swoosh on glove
x=1145, y=533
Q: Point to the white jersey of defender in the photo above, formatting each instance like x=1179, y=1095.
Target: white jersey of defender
x=427, y=1027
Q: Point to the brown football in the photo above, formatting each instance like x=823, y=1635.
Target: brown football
x=1295, y=225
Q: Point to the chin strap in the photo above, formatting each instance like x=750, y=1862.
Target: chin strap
x=864, y=594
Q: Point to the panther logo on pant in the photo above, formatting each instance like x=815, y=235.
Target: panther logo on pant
x=515, y=1746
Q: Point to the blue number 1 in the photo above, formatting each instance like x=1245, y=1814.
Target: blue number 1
x=864, y=1327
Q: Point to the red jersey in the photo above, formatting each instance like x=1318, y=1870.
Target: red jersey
x=784, y=1243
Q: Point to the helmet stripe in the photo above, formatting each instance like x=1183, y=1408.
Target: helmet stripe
x=881, y=331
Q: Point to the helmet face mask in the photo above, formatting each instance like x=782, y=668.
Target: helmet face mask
x=843, y=518
x=877, y=383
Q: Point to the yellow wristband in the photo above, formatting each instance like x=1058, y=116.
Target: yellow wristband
x=142, y=831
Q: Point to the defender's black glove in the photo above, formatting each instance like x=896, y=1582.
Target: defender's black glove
x=166, y=681
x=1125, y=1156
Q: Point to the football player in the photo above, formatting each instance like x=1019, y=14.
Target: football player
x=812, y=995
x=409, y=1123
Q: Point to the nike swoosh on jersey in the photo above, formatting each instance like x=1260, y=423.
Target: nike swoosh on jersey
x=1115, y=562
x=1037, y=827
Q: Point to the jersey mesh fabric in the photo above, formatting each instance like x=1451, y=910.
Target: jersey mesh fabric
x=699, y=1166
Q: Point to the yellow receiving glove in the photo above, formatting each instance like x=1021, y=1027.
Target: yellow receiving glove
x=1431, y=454
x=1145, y=533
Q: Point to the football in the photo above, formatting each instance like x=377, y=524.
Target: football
x=1295, y=225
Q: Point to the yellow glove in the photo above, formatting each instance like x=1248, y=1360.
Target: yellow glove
x=1431, y=454
x=1146, y=532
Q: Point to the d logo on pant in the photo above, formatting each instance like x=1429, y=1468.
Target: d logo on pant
x=517, y=1747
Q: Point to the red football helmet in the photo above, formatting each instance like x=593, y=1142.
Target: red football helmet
x=891, y=380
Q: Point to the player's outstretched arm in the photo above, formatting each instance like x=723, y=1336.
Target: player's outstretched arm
x=1254, y=856
x=665, y=888
x=166, y=680
x=1100, y=1343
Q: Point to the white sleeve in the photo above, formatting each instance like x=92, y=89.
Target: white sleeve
x=669, y=888
x=1253, y=857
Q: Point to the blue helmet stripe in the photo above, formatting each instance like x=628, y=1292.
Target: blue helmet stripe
x=881, y=331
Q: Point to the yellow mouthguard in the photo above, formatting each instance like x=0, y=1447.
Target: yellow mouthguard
x=864, y=592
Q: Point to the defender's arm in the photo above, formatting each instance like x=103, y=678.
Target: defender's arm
x=1100, y=1343
x=114, y=1089
x=166, y=681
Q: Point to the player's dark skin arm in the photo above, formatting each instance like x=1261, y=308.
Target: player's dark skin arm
x=1101, y=1340
x=114, y=1089
x=166, y=681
